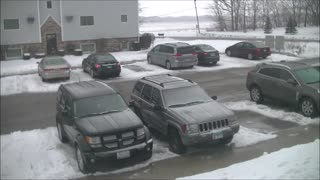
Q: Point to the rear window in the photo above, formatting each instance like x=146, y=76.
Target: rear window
x=258, y=44
x=185, y=50
x=52, y=61
x=105, y=58
x=206, y=47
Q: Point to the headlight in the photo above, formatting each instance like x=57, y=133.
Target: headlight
x=92, y=140
x=192, y=128
x=140, y=133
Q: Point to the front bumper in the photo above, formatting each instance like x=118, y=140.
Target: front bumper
x=141, y=148
x=208, y=137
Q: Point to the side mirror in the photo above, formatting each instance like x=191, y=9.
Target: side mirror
x=157, y=108
x=292, y=82
x=131, y=103
x=214, y=97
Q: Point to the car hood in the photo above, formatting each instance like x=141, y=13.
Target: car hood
x=314, y=85
x=201, y=112
x=109, y=123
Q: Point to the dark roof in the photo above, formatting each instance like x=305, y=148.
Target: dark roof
x=289, y=64
x=177, y=44
x=166, y=81
x=85, y=89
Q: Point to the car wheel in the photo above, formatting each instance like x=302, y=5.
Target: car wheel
x=83, y=69
x=118, y=74
x=149, y=60
x=92, y=74
x=307, y=107
x=81, y=161
x=229, y=53
x=250, y=56
x=61, y=133
x=255, y=94
x=168, y=65
x=43, y=79
x=264, y=57
x=175, y=142
x=226, y=140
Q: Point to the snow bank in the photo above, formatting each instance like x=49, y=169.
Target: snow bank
x=39, y=154
x=297, y=162
x=268, y=111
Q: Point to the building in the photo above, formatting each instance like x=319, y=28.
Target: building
x=47, y=26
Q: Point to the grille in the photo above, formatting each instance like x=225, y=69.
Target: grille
x=120, y=140
x=213, y=125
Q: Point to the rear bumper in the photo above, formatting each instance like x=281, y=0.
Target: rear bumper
x=263, y=54
x=182, y=63
x=108, y=72
x=208, y=137
x=55, y=75
x=209, y=60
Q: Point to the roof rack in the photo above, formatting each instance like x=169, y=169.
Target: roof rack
x=162, y=83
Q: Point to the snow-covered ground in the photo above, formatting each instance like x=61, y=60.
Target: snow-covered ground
x=39, y=154
x=268, y=111
x=297, y=162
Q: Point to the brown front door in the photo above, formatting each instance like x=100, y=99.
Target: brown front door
x=51, y=44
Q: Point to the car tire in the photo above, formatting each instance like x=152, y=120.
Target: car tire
x=226, y=140
x=61, y=133
x=43, y=79
x=83, y=165
x=149, y=60
x=229, y=53
x=175, y=142
x=118, y=74
x=92, y=74
x=264, y=57
x=168, y=65
x=308, y=107
x=83, y=69
x=250, y=56
x=256, y=94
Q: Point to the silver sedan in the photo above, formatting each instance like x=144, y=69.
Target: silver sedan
x=53, y=67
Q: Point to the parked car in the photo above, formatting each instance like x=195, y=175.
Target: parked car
x=207, y=55
x=101, y=64
x=249, y=50
x=53, y=67
x=183, y=111
x=173, y=55
x=99, y=125
x=313, y=62
x=292, y=82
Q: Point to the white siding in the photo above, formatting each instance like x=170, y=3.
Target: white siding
x=54, y=12
x=20, y=9
x=107, y=19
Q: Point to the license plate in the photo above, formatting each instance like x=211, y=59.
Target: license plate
x=123, y=154
x=218, y=135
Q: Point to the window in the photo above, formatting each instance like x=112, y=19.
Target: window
x=285, y=75
x=156, y=97
x=272, y=72
x=166, y=49
x=11, y=24
x=156, y=49
x=247, y=45
x=86, y=20
x=124, y=18
x=146, y=92
x=49, y=4
x=137, y=88
x=13, y=53
x=88, y=48
x=239, y=45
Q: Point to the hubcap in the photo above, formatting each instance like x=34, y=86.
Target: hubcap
x=79, y=159
x=255, y=94
x=168, y=65
x=307, y=108
x=59, y=131
x=249, y=56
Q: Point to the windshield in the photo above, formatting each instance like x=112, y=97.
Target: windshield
x=185, y=96
x=105, y=58
x=99, y=105
x=205, y=47
x=258, y=44
x=309, y=75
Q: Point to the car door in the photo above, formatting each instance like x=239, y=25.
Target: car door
x=287, y=92
x=85, y=62
x=156, y=114
x=163, y=54
x=236, y=49
x=154, y=54
x=146, y=106
x=68, y=116
x=267, y=77
x=246, y=49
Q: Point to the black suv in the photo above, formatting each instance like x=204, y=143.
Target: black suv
x=292, y=82
x=97, y=122
x=183, y=111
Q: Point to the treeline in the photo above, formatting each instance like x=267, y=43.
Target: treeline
x=235, y=15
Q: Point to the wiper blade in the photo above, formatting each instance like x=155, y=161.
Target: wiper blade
x=100, y=113
x=186, y=104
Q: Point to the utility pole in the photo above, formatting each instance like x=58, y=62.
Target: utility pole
x=195, y=5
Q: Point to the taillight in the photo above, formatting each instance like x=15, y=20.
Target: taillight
x=98, y=66
x=194, y=54
x=205, y=54
x=177, y=55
